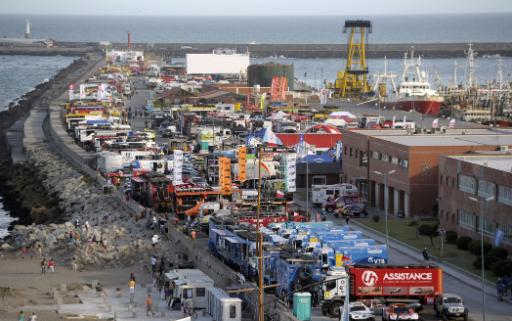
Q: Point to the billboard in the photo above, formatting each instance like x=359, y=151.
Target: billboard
x=421, y=281
x=242, y=163
x=178, y=167
x=200, y=64
x=225, y=174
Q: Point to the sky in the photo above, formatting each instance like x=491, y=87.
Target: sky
x=254, y=8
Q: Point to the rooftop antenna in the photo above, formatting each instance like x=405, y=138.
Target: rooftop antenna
x=28, y=34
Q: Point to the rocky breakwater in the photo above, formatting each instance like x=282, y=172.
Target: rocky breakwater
x=107, y=234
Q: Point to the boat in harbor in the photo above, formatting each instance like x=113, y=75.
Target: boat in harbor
x=414, y=92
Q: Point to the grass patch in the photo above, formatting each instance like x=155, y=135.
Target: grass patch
x=399, y=229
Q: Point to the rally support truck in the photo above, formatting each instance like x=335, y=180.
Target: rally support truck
x=377, y=284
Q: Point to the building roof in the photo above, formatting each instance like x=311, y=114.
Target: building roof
x=498, y=162
x=452, y=137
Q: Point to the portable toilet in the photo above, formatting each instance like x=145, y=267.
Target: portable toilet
x=302, y=305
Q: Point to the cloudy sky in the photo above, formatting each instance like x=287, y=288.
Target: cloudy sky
x=257, y=7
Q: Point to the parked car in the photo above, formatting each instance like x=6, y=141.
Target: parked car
x=450, y=306
x=399, y=311
x=359, y=311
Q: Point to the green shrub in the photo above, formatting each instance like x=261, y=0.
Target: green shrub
x=412, y=223
x=451, y=237
x=376, y=218
x=463, y=242
x=502, y=267
x=475, y=247
x=477, y=263
x=495, y=254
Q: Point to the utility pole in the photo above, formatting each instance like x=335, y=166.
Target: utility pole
x=259, y=244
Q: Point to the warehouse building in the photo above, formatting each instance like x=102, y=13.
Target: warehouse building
x=475, y=191
x=407, y=163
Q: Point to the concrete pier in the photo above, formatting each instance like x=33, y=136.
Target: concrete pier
x=428, y=50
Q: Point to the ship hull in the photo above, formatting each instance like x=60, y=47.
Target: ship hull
x=424, y=106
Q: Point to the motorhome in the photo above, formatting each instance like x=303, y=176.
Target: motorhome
x=189, y=284
x=320, y=193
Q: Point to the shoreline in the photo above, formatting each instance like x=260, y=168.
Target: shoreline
x=20, y=186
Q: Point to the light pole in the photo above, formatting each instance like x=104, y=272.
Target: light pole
x=385, y=175
x=482, y=213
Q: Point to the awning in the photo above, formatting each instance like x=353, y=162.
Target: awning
x=234, y=240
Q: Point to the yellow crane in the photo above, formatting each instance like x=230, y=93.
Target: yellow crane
x=353, y=80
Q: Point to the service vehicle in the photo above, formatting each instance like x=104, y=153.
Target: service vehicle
x=450, y=306
x=376, y=284
x=320, y=193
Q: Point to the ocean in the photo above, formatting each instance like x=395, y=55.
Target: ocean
x=19, y=74
x=273, y=29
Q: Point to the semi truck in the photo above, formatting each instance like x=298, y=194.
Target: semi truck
x=376, y=284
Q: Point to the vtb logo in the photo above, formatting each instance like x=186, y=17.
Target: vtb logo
x=369, y=278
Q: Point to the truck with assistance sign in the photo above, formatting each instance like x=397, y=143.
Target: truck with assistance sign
x=376, y=284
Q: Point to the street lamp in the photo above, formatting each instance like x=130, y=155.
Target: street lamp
x=386, y=174
x=482, y=213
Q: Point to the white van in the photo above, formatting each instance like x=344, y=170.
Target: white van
x=320, y=193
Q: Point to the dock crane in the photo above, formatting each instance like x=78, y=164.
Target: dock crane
x=353, y=80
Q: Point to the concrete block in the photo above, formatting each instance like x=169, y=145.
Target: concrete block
x=94, y=284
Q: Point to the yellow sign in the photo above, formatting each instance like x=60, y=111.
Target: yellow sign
x=313, y=240
x=339, y=259
x=242, y=163
x=225, y=174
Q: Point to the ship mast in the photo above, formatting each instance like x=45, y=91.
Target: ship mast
x=470, y=65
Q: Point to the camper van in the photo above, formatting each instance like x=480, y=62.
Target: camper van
x=321, y=193
x=189, y=284
x=222, y=307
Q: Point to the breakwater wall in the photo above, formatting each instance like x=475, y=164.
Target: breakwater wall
x=428, y=50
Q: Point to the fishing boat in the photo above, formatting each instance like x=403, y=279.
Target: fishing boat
x=414, y=92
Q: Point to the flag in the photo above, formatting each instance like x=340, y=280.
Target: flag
x=271, y=138
x=498, y=237
x=451, y=124
x=262, y=101
x=435, y=123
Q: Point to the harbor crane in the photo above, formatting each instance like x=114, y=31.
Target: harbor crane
x=353, y=81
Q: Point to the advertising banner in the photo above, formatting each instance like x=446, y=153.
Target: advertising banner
x=290, y=172
x=178, y=167
x=242, y=163
x=225, y=174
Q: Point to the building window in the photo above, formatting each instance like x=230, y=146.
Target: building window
x=319, y=180
x=345, y=147
x=441, y=179
x=507, y=230
x=350, y=151
x=232, y=311
x=363, y=159
x=385, y=157
x=376, y=155
x=505, y=195
x=486, y=188
x=467, y=184
x=489, y=226
x=200, y=291
x=467, y=220
x=404, y=163
x=394, y=160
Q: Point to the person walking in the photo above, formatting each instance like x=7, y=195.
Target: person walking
x=43, y=266
x=500, y=289
x=153, y=263
x=33, y=317
x=131, y=286
x=21, y=316
x=149, y=305
x=426, y=256
x=74, y=264
x=51, y=265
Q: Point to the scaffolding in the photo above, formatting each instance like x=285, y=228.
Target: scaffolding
x=353, y=81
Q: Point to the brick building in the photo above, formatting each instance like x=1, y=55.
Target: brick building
x=464, y=183
x=410, y=162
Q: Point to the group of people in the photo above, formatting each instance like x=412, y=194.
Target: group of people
x=504, y=287
x=47, y=265
x=21, y=316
